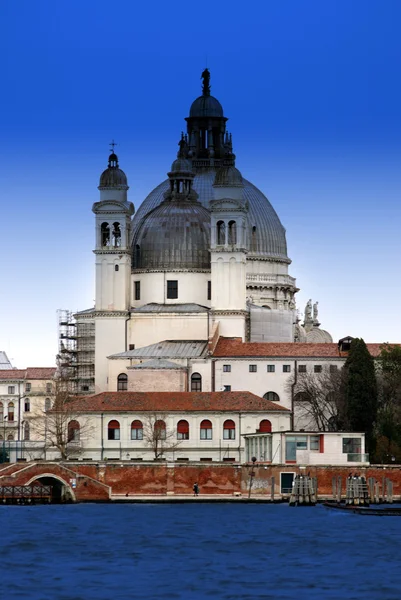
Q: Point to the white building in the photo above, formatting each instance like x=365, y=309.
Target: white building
x=205, y=250
x=201, y=427
x=24, y=395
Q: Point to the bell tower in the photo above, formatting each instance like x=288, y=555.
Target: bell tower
x=113, y=215
x=228, y=252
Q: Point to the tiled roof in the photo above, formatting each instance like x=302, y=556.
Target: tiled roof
x=234, y=347
x=29, y=373
x=167, y=349
x=40, y=372
x=169, y=402
x=12, y=374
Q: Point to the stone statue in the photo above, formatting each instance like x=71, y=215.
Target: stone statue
x=206, y=82
x=315, y=312
x=308, y=311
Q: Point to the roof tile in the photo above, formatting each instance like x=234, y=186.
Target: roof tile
x=234, y=347
x=176, y=402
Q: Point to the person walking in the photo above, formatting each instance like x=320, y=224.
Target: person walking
x=196, y=488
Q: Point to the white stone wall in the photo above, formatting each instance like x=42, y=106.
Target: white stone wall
x=148, y=328
x=192, y=288
x=109, y=339
x=195, y=448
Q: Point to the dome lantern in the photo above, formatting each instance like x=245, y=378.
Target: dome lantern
x=113, y=176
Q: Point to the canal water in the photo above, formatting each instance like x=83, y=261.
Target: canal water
x=190, y=551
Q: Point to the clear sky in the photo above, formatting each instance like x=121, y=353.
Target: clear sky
x=312, y=90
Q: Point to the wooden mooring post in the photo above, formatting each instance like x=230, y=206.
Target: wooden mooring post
x=303, y=491
x=357, y=492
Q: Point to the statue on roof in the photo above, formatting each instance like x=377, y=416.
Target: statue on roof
x=206, y=82
x=308, y=311
x=315, y=312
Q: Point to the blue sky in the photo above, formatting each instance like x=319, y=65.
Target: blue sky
x=312, y=90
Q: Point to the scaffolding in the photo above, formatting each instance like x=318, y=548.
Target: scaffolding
x=77, y=350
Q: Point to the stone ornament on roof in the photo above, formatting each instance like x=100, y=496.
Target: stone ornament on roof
x=206, y=82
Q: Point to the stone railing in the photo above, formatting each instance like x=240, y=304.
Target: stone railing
x=265, y=278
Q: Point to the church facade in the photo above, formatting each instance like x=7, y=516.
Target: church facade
x=204, y=256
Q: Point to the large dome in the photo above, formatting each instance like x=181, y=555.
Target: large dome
x=206, y=106
x=175, y=235
x=266, y=234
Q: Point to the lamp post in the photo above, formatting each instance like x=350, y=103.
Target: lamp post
x=4, y=438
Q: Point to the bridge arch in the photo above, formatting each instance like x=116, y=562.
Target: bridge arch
x=62, y=491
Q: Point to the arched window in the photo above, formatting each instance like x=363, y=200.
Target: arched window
x=232, y=232
x=48, y=404
x=26, y=431
x=229, y=430
x=27, y=405
x=221, y=233
x=301, y=397
x=136, y=430
x=160, y=430
x=183, y=430
x=196, y=382
x=116, y=235
x=105, y=234
x=1, y=411
x=10, y=437
x=206, y=430
x=122, y=382
x=73, y=431
x=116, y=267
x=272, y=396
x=265, y=426
x=113, y=430
x=10, y=415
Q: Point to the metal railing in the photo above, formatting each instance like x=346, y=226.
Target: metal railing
x=357, y=457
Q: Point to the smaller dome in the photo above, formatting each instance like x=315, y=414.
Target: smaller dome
x=181, y=165
x=228, y=176
x=206, y=106
x=318, y=336
x=113, y=176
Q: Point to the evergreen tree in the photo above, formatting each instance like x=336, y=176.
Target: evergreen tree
x=361, y=391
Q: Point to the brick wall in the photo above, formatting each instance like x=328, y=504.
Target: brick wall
x=96, y=481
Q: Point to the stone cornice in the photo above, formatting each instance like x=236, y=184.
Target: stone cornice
x=111, y=250
x=111, y=314
x=273, y=259
x=233, y=312
x=228, y=249
x=169, y=270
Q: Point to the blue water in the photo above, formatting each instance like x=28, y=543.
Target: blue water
x=188, y=551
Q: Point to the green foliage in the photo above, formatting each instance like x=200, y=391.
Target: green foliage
x=389, y=405
x=361, y=391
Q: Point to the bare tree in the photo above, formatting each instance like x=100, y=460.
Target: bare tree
x=62, y=426
x=318, y=400
x=158, y=437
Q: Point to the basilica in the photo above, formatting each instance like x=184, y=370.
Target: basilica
x=203, y=259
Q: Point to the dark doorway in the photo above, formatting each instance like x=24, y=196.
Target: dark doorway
x=60, y=492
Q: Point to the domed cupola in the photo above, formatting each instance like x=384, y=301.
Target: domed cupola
x=228, y=177
x=175, y=235
x=113, y=176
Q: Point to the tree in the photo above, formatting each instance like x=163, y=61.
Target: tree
x=319, y=400
x=158, y=437
x=62, y=427
x=388, y=427
x=360, y=389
